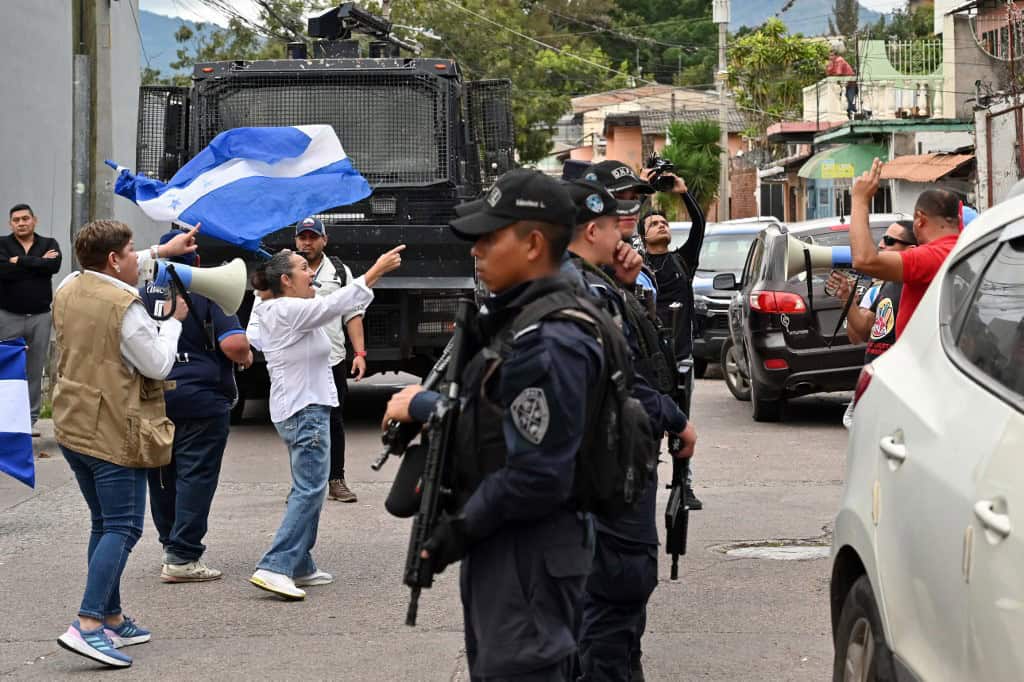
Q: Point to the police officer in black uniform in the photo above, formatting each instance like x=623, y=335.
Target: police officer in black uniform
x=526, y=551
x=625, y=569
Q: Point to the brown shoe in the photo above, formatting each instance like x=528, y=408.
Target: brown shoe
x=338, y=490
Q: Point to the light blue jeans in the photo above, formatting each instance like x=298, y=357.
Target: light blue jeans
x=307, y=433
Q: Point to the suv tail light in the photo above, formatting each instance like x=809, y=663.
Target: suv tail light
x=777, y=302
x=863, y=381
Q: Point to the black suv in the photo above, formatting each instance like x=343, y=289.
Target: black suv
x=724, y=249
x=786, y=342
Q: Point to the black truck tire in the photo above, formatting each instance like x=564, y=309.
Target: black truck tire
x=700, y=368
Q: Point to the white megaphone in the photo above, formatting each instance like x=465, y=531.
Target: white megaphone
x=224, y=284
x=822, y=257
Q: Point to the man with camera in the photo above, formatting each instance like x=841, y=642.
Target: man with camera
x=199, y=404
x=673, y=273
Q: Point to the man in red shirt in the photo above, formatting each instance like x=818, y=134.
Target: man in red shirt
x=837, y=66
x=936, y=226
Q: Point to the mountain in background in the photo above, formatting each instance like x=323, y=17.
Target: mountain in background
x=809, y=17
x=158, y=40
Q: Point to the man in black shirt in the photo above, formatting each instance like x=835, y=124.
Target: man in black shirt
x=28, y=261
x=673, y=272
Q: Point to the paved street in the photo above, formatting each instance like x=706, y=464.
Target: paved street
x=727, y=619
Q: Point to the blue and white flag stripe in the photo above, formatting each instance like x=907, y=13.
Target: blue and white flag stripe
x=16, y=458
x=251, y=181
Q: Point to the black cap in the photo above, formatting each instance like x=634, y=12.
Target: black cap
x=616, y=177
x=573, y=169
x=519, y=194
x=591, y=199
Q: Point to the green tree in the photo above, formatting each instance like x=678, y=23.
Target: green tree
x=768, y=70
x=905, y=24
x=847, y=18
x=486, y=38
x=481, y=35
x=693, y=148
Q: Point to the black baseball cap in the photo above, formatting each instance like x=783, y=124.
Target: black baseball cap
x=591, y=199
x=519, y=194
x=616, y=176
x=573, y=169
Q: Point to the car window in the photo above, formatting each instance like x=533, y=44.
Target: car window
x=754, y=261
x=725, y=252
x=992, y=337
x=959, y=284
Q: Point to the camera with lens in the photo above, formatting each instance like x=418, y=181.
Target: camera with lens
x=658, y=179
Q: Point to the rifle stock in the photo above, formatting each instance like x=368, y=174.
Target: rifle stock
x=435, y=484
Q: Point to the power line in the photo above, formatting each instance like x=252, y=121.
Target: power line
x=138, y=30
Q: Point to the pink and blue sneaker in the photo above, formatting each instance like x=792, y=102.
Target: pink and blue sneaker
x=127, y=633
x=93, y=644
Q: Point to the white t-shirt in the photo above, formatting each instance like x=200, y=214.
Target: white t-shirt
x=330, y=281
x=290, y=332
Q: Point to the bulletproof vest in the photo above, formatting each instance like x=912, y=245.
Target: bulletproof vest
x=618, y=451
x=481, y=442
x=652, y=362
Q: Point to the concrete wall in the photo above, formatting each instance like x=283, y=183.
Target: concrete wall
x=125, y=56
x=625, y=143
x=35, y=50
x=1002, y=170
x=969, y=64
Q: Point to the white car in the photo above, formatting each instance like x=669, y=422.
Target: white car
x=928, y=552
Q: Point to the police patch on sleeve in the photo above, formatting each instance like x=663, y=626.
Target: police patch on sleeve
x=531, y=415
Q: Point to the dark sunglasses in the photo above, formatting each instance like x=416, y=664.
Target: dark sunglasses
x=892, y=241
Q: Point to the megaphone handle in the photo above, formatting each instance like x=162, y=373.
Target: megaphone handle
x=178, y=288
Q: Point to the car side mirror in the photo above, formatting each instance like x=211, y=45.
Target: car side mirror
x=725, y=282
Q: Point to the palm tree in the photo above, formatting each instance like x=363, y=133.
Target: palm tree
x=693, y=148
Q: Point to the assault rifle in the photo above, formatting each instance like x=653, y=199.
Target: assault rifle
x=677, y=513
x=435, y=486
x=397, y=436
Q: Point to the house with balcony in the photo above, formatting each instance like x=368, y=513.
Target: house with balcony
x=630, y=124
x=903, y=109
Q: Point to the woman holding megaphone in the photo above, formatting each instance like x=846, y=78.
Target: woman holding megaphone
x=287, y=327
x=108, y=415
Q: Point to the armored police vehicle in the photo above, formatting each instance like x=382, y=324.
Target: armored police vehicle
x=423, y=137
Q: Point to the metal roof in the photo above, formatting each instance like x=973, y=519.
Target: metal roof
x=652, y=122
x=924, y=167
x=854, y=130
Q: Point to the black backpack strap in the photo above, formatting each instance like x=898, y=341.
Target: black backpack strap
x=339, y=267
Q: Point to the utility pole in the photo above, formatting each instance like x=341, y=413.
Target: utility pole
x=102, y=124
x=721, y=17
x=81, y=126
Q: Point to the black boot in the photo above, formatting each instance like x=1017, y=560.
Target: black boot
x=691, y=500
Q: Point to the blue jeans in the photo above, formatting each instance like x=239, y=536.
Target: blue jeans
x=180, y=494
x=307, y=433
x=116, y=496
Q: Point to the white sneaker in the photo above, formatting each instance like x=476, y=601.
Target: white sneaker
x=313, y=579
x=278, y=583
x=192, y=572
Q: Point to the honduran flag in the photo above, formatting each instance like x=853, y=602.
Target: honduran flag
x=250, y=182
x=15, y=417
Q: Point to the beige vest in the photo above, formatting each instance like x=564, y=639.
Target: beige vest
x=101, y=407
